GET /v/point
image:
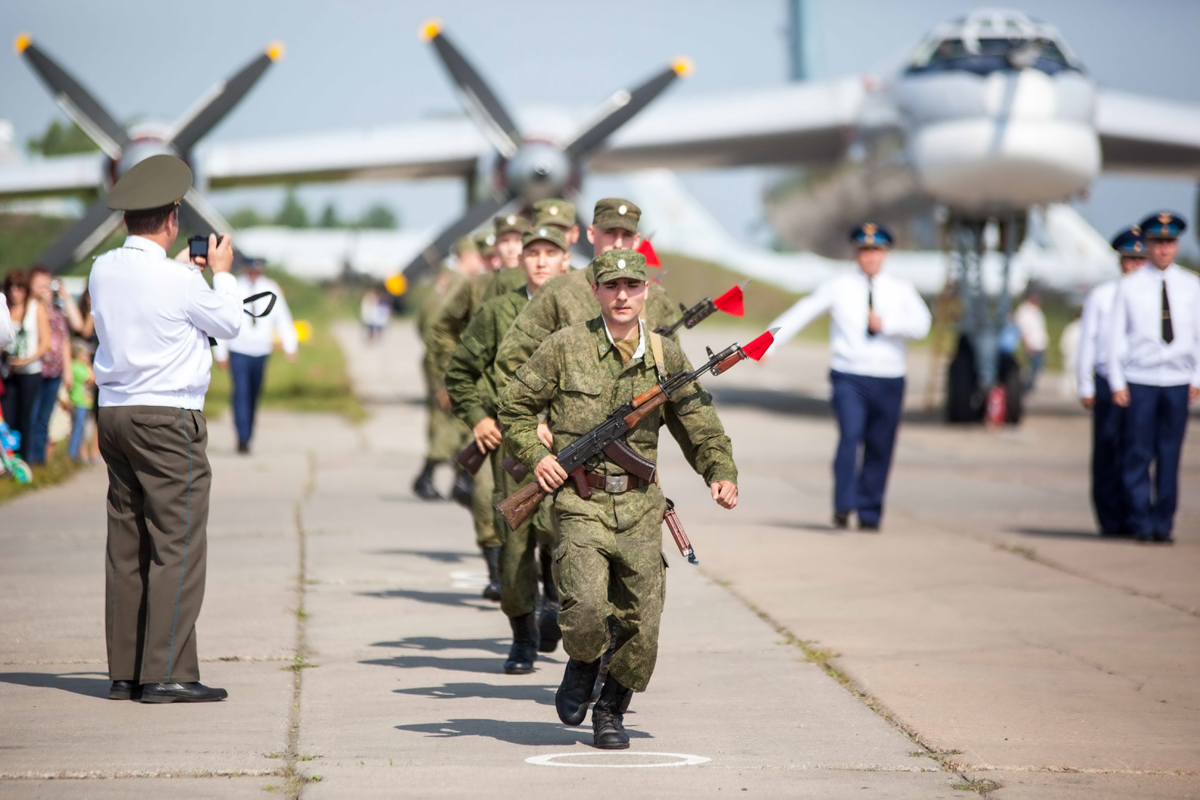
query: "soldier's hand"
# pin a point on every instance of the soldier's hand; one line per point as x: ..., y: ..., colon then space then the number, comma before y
x: 1193, y: 394
x: 874, y: 322
x: 1121, y: 398
x: 550, y: 474
x: 442, y: 398
x: 1088, y: 402
x: 220, y: 252
x: 545, y: 436
x: 725, y: 493
x: 487, y: 435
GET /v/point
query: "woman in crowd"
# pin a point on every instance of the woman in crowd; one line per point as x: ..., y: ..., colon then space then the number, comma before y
x: 60, y: 309
x: 23, y: 357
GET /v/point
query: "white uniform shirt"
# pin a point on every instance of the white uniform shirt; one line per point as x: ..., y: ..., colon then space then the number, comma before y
x: 1137, y: 352
x: 1094, y: 337
x: 1031, y: 322
x: 257, y: 337
x: 844, y: 298
x: 7, y: 334
x: 153, y: 318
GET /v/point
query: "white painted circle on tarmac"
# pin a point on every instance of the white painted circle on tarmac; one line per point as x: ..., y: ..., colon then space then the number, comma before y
x: 618, y: 760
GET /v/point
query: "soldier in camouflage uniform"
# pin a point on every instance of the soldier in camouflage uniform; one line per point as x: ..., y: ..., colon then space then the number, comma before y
x: 609, y: 555
x: 444, y: 433
x: 509, y: 230
x: 462, y: 301
x: 471, y: 382
x: 559, y: 213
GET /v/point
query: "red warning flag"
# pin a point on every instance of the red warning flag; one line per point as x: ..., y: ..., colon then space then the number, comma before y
x: 732, y: 301
x: 647, y: 249
x: 758, y: 348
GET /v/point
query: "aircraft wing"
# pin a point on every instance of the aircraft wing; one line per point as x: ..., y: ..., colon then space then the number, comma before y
x: 1148, y: 134
x: 447, y: 148
x: 804, y: 123
x: 51, y: 176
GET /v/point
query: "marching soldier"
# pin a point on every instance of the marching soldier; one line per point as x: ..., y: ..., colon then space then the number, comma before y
x: 154, y: 317
x: 559, y: 213
x: 509, y: 230
x: 1154, y: 372
x: 609, y: 557
x: 471, y: 383
x: 1108, y: 419
x: 872, y: 314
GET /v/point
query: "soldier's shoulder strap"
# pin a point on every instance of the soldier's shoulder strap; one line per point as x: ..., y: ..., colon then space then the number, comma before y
x: 656, y: 349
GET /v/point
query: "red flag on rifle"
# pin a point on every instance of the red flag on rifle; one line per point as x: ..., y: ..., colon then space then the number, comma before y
x: 647, y: 249
x: 732, y: 301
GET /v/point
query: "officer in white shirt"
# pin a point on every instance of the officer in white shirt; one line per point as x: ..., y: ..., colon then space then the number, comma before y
x: 246, y: 356
x: 154, y: 317
x: 1108, y: 419
x: 1154, y: 372
x: 872, y: 314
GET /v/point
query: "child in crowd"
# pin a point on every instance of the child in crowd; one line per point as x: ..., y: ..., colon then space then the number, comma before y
x: 82, y: 382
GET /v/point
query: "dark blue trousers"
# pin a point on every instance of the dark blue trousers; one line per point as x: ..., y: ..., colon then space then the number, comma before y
x: 868, y: 413
x: 247, y: 373
x: 1108, y: 443
x: 1155, y: 424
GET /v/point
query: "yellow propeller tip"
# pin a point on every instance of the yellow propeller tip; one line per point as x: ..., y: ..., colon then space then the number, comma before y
x: 683, y: 66
x: 275, y: 51
x: 23, y: 42
x: 430, y: 30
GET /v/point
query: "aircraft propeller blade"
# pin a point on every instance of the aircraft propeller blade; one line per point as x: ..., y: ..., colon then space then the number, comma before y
x: 431, y: 257
x: 79, y: 104
x: 84, y: 235
x: 624, y: 105
x: 217, y: 102
x: 480, y: 101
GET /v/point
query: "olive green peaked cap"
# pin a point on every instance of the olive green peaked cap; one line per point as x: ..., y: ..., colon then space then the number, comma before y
x: 465, y: 245
x: 485, y: 243
x: 619, y: 264
x: 553, y: 211
x: 545, y: 233
x: 510, y: 222
x: 156, y: 182
x: 614, y: 212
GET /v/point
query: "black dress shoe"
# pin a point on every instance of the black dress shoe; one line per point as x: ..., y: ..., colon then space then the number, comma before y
x: 243, y: 448
x: 575, y: 694
x: 194, y: 692
x: 868, y: 527
x: 841, y: 521
x: 123, y: 690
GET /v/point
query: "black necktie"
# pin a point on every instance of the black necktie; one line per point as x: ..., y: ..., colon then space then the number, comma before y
x: 1168, y: 330
x: 870, y: 306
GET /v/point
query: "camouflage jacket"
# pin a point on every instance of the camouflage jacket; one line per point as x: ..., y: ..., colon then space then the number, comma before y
x: 562, y: 301
x: 577, y: 374
x: 462, y: 302
x: 503, y: 282
x: 470, y: 378
x: 431, y: 306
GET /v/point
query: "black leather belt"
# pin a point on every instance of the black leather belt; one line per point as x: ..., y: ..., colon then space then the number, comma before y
x: 614, y: 484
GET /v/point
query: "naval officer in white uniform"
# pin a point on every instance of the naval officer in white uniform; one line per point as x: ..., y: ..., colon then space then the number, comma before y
x: 873, y: 314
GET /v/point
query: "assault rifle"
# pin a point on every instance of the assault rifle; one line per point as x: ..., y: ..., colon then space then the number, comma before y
x: 730, y: 302
x: 606, y: 439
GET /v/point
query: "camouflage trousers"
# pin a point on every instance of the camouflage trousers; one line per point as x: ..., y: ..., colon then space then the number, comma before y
x: 610, y: 561
x: 446, y: 434
x: 487, y: 533
x: 519, y: 568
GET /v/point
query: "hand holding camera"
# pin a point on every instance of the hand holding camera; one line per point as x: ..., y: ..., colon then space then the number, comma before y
x: 215, y: 252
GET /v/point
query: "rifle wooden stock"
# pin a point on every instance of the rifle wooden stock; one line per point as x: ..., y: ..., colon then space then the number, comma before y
x: 470, y: 458
x: 519, y: 507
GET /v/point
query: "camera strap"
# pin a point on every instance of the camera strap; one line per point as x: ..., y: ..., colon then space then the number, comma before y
x: 253, y: 299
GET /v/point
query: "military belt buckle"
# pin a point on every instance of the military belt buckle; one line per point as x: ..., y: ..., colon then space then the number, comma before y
x: 616, y: 484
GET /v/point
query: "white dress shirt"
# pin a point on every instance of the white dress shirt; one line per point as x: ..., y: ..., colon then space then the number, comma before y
x: 153, y: 318
x: 6, y: 327
x: 902, y: 311
x: 1031, y: 322
x: 1137, y: 352
x: 1094, y: 337
x: 257, y: 337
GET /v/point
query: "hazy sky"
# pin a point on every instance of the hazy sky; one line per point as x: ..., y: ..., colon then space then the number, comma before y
x: 359, y: 62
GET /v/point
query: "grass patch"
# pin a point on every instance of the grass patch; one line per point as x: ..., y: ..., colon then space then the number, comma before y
x: 982, y: 787
x: 56, y: 470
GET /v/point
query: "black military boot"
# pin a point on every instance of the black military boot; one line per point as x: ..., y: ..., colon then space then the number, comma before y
x: 614, y: 630
x: 608, y: 728
x: 461, y: 491
x: 492, y: 556
x: 575, y: 694
x: 548, y: 630
x: 423, y: 486
x: 524, y: 646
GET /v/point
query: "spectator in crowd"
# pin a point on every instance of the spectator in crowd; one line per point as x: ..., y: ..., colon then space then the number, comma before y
x: 83, y: 386
x: 23, y: 367
x: 1068, y: 349
x: 368, y: 311
x: 62, y: 315
x: 88, y: 334
x: 6, y: 325
x: 1031, y: 322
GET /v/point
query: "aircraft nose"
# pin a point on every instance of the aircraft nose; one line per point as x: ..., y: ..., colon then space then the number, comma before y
x: 1026, y: 94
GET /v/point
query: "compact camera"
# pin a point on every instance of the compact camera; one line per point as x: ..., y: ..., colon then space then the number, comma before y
x: 198, y: 246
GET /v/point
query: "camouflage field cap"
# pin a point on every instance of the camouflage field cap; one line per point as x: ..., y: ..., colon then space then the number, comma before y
x: 619, y: 264
x: 553, y: 211
x: 485, y: 243
x: 613, y: 212
x: 545, y: 233
x: 465, y: 245
x: 510, y: 222
x: 156, y: 182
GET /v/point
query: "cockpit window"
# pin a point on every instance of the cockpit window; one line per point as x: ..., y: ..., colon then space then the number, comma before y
x: 992, y: 55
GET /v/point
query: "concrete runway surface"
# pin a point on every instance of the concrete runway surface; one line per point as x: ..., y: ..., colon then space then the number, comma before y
x: 987, y: 638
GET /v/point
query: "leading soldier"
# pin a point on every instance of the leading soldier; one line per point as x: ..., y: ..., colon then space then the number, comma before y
x: 609, y: 557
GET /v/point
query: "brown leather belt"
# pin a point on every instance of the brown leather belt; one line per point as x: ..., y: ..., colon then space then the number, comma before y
x: 614, y: 484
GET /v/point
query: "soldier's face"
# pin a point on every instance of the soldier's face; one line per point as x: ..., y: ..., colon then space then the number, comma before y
x: 1162, y: 251
x: 605, y: 239
x: 542, y: 261
x: 621, y: 300
x: 470, y: 262
x: 508, y: 247
x: 870, y: 260
x: 1131, y: 264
